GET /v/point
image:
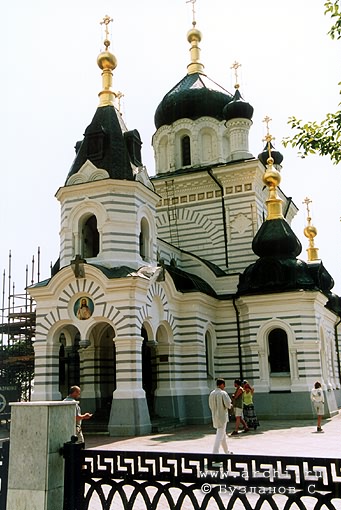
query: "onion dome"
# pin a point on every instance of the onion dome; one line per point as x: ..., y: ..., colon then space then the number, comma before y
x: 276, y: 155
x: 238, y: 108
x: 193, y: 97
x: 275, y: 238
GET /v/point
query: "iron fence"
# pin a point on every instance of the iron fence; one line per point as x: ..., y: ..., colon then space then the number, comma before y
x: 104, y: 480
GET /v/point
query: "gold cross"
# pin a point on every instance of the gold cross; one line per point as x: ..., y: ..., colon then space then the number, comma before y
x: 307, y: 201
x: 106, y: 20
x: 268, y: 137
x: 193, y: 8
x: 119, y: 95
x: 236, y: 66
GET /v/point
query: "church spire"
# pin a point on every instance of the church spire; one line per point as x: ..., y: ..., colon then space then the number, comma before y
x: 310, y: 232
x: 194, y: 38
x: 107, y: 62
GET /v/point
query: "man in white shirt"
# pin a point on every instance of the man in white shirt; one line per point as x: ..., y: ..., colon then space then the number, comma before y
x: 219, y: 403
x: 317, y: 399
x: 73, y: 396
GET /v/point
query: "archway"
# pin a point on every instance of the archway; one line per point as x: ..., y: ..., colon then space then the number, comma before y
x: 149, y: 382
x: 103, y: 370
x: 69, y: 361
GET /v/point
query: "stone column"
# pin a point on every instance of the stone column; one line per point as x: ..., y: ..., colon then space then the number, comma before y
x: 46, y: 371
x: 36, y: 468
x: 238, y: 131
x: 129, y: 414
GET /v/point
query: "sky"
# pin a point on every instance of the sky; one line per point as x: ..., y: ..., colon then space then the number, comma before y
x: 49, y: 93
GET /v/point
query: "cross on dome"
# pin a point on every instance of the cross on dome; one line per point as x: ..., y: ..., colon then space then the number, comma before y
x: 235, y: 66
x: 106, y: 20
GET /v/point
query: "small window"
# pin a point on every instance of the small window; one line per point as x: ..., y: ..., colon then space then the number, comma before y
x: 278, y: 351
x: 186, y: 151
x: 144, y: 240
x: 209, y: 356
x: 90, y: 238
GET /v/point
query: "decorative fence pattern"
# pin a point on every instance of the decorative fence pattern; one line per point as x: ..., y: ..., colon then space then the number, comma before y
x: 4, y: 461
x: 106, y: 480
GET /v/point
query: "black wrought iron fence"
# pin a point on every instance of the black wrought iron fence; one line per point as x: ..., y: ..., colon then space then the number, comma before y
x: 106, y: 480
x: 4, y: 460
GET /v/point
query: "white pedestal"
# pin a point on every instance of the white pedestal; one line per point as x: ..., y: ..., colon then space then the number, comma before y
x: 36, y: 468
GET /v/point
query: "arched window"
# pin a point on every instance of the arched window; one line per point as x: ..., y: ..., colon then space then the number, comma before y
x: 185, y: 150
x: 90, y: 238
x: 278, y: 351
x: 144, y: 240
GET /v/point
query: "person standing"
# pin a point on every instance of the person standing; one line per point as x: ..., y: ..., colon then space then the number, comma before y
x: 73, y: 396
x: 249, y: 412
x: 219, y: 403
x: 317, y: 399
x: 237, y: 401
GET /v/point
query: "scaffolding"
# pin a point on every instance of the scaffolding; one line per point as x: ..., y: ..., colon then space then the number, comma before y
x: 17, y: 333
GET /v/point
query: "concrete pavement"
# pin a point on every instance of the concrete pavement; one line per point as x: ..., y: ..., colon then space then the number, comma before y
x: 289, y: 438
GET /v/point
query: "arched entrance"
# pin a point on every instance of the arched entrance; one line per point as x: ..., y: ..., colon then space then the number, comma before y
x: 149, y: 382
x: 103, y: 370
x: 69, y: 361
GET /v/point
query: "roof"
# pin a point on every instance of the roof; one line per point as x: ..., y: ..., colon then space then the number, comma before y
x: 104, y: 145
x: 193, y: 97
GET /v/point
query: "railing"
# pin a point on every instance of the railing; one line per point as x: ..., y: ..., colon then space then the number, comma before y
x: 103, y: 480
x: 4, y: 460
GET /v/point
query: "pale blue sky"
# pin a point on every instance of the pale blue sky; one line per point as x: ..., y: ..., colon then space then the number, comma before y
x: 50, y: 81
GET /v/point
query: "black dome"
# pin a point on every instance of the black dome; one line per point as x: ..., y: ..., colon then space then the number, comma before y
x: 193, y: 97
x: 276, y: 155
x: 238, y: 108
x: 275, y: 238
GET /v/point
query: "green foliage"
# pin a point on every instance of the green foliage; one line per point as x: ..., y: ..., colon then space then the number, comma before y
x: 322, y: 138
x: 333, y: 8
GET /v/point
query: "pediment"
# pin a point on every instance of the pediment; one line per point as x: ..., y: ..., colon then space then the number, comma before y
x: 87, y: 173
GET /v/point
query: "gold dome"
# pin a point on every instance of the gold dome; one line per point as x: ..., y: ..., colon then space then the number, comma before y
x: 310, y: 231
x: 106, y: 60
x: 271, y: 177
x: 194, y: 35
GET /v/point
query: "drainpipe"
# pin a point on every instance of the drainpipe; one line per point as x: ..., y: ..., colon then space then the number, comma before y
x: 223, y: 213
x: 239, y: 340
x: 337, y: 349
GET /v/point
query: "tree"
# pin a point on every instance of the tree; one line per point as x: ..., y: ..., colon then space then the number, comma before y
x: 322, y: 138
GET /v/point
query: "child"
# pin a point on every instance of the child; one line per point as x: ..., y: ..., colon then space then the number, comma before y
x: 248, y: 407
x: 318, y: 401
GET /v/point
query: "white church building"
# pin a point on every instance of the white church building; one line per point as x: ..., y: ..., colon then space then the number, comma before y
x: 164, y: 283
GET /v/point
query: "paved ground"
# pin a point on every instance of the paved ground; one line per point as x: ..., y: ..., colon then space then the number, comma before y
x: 289, y: 438
x: 272, y: 438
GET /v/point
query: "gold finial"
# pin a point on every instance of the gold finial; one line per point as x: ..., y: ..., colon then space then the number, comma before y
x: 106, y: 20
x: 193, y: 10
x: 194, y: 38
x: 310, y: 232
x: 107, y: 62
x: 236, y: 66
x: 272, y: 179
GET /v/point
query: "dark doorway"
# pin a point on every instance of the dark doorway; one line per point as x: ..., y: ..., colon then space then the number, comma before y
x: 148, y: 372
x: 278, y: 352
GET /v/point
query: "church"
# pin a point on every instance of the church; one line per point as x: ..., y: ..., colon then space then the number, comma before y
x: 165, y: 283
